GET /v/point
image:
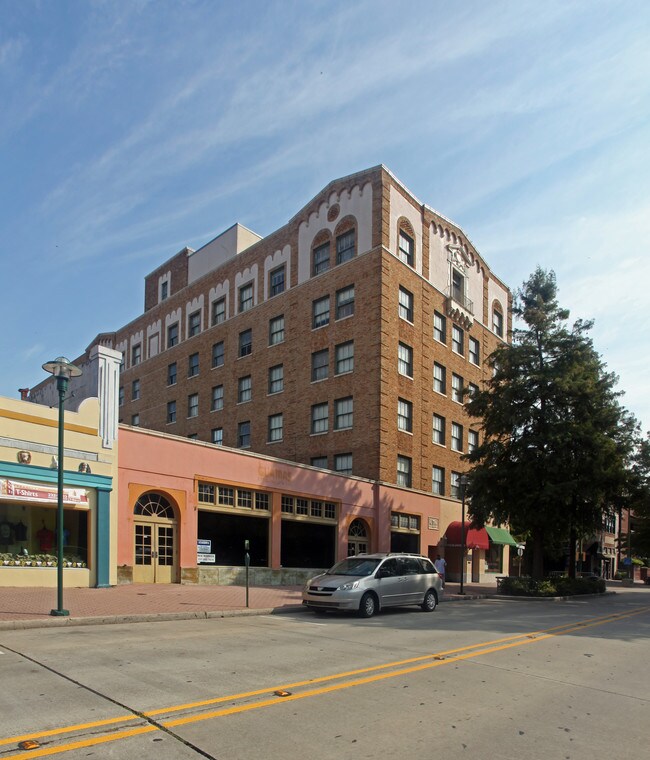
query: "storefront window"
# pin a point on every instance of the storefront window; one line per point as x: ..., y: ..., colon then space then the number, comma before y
x: 494, y: 558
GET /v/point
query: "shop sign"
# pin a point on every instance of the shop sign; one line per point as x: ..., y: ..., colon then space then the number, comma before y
x: 11, y: 489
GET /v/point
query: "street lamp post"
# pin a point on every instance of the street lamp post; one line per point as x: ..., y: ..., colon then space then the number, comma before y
x: 63, y: 370
x: 463, y: 486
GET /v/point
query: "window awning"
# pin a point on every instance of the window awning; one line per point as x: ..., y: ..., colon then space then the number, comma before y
x: 500, y: 536
x: 475, y: 538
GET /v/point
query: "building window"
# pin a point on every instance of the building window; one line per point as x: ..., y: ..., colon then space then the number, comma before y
x: 171, y: 374
x: 172, y: 335
x: 246, y: 297
x: 472, y: 440
x: 171, y: 411
x: 405, y: 304
x: 135, y: 420
x: 458, y: 340
x: 319, y: 418
x: 276, y: 378
x: 193, y: 365
x: 217, y: 398
x: 406, y: 248
x: 404, y: 415
x: 404, y: 466
x: 345, y: 247
x: 439, y: 378
x: 457, y: 388
x: 136, y: 354
x: 472, y: 390
x: 319, y: 462
x: 244, y: 389
x: 135, y: 390
x: 438, y: 429
x: 405, y: 360
x: 321, y: 258
x: 275, y: 428
x: 193, y: 405
x: 164, y: 290
x: 343, y: 413
x: 345, y: 302
x: 440, y: 327
x: 438, y: 480
x: 276, y: 281
x: 343, y: 463
x: 194, y: 324
x: 458, y: 287
x: 244, y: 435
x: 455, y: 485
x: 216, y: 436
x: 497, y: 322
x: 245, y: 342
x: 344, y: 357
x: 321, y: 312
x: 218, y: 311
x: 120, y: 396
x: 319, y: 365
x: 456, y: 436
x: 474, y: 351
x: 218, y: 354
x: 276, y: 330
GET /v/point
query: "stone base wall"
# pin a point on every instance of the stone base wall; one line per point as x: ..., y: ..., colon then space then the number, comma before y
x: 257, y: 576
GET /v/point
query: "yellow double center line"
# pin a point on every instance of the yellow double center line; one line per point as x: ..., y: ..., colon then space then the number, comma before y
x: 358, y: 677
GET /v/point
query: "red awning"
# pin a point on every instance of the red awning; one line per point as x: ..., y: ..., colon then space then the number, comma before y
x: 475, y: 538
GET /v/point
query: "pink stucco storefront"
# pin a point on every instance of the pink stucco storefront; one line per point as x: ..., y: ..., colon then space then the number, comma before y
x: 186, y: 508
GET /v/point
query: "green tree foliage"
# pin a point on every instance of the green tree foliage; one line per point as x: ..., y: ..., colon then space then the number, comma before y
x: 554, y: 450
x: 639, y: 502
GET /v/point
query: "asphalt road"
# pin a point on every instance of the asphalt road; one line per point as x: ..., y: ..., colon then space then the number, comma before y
x: 482, y: 679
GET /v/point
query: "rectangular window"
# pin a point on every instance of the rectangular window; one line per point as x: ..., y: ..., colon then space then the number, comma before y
x: 343, y: 463
x: 218, y: 311
x: 276, y: 330
x: 136, y: 354
x: 319, y: 462
x: 343, y: 413
x: 193, y: 365
x: 244, y: 499
x: 245, y: 342
x: 472, y: 440
x: 217, y: 398
x: 135, y: 390
x: 193, y: 405
x: 164, y: 290
x: 244, y: 435
x: 120, y: 398
x: 246, y: 297
x: 319, y: 418
x: 474, y: 351
x: 404, y: 415
x: 321, y: 258
x: 456, y: 436
x: 405, y: 360
x: 458, y: 340
x: 457, y: 383
x: 472, y: 390
x: 275, y: 428
x: 171, y: 373
x: 320, y: 365
x: 439, y: 378
x: 345, y: 247
x: 276, y: 281
x: 404, y: 466
x: 172, y: 335
x: 226, y: 496
x: 135, y: 420
x: 344, y: 357
x: 455, y: 485
x: 244, y: 389
x: 171, y: 411
x: 438, y: 480
x: 345, y: 302
x: 440, y: 327
x: 218, y: 354
x: 458, y: 287
x: 405, y: 304
x: 216, y: 436
x: 406, y: 248
x: 276, y: 379
x: 497, y: 323
x: 206, y: 493
x: 438, y: 429
x: 194, y: 324
x: 321, y: 312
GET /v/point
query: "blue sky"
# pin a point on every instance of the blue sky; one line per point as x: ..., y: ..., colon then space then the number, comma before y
x: 131, y: 129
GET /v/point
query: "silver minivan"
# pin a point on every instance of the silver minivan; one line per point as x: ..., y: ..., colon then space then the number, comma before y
x: 367, y: 582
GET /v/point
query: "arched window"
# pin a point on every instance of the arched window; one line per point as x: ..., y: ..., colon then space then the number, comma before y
x: 358, y: 538
x: 153, y: 505
x: 497, y: 320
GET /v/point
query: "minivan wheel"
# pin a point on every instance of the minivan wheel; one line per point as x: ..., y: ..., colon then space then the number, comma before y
x: 368, y: 605
x: 430, y: 601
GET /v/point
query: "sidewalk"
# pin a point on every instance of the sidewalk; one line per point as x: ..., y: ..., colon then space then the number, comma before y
x: 30, y: 607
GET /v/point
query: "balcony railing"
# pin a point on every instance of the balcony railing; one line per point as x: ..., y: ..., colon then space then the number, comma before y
x: 457, y: 297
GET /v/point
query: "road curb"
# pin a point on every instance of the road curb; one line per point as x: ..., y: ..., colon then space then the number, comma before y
x: 522, y: 598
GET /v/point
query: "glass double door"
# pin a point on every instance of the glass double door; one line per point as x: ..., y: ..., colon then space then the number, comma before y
x: 155, y: 552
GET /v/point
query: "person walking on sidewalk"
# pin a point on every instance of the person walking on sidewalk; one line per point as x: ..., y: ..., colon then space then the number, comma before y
x: 441, y: 566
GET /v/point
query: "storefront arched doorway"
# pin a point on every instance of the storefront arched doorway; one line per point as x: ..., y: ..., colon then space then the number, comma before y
x: 358, y: 538
x: 155, y: 540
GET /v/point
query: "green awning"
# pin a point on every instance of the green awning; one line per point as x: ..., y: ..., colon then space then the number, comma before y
x: 500, y: 536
